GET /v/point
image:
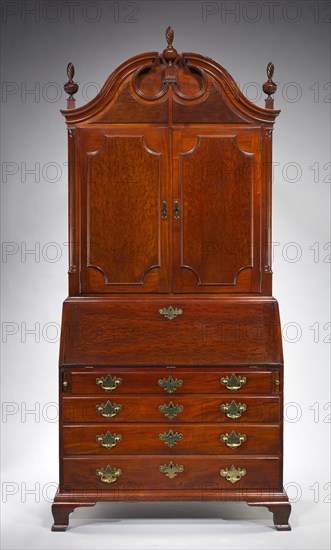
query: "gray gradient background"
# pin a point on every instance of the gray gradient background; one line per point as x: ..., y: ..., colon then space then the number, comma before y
x: 33, y: 131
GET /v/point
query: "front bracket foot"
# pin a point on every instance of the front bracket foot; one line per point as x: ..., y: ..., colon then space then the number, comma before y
x: 281, y: 512
x: 61, y: 512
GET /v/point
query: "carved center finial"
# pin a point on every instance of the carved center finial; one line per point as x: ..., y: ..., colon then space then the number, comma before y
x: 270, y: 87
x: 169, y: 53
x: 70, y: 87
x: 169, y: 34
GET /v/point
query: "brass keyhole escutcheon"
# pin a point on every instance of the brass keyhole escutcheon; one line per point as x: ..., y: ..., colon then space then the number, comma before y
x: 170, y: 384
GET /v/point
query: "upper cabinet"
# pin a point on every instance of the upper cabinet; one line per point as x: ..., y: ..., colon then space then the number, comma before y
x: 170, y: 181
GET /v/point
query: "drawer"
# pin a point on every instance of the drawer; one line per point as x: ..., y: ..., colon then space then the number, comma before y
x: 181, y: 408
x: 115, y: 381
x: 168, y: 472
x: 175, y: 439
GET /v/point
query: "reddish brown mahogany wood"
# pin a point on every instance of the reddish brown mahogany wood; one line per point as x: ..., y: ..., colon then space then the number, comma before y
x: 170, y: 328
x: 199, y: 472
x: 196, y: 439
x: 210, y: 331
x: 192, y: 380
x: 257, y: 409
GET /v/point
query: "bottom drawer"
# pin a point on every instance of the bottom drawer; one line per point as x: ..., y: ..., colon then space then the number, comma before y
x: 170, y: 472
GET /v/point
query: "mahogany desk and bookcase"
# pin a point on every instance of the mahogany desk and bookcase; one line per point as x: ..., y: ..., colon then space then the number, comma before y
x: 171, y: 365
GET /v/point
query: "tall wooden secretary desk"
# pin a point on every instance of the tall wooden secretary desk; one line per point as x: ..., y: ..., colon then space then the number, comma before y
x: 171, y: 365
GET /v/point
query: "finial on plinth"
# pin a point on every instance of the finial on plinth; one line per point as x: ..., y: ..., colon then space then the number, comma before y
x: 169, y: 53
x: 70, y: 87
x: 269, y: 87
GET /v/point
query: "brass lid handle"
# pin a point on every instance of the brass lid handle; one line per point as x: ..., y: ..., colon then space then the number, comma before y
x: 108, y: 474
x: 233, y: 474
x: 108, y: 440
x: 108, y: 410
x: 109, y: 383
x: 233, y: 382
x: 233, y: 440
x: 233, y: 410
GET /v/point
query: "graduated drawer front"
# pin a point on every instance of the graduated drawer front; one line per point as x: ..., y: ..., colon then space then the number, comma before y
x: 206, y: 408
x: 143, y: 472
x: 177, y: 439
x: 146, y: 380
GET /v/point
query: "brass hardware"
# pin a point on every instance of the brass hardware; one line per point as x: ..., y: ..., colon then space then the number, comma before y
x: 233, y: 474
x: 277, y: 382
x: 170, y: 384
x: 164, y: 210
x: 109, y: 474
x: 233, y: 410
x: 171, y: 410
x: 171, y: 469
x: 176, y: 210
x: 108, y: 383
x: 233, y: 382
x: 108, y: 410
x: 170, y: 312
x: 233, y: 440
x: 65, y: 383
x: 108, y: 440
x: 171, y: 438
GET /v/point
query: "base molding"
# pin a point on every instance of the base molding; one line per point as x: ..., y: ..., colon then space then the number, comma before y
x: 66, y: 502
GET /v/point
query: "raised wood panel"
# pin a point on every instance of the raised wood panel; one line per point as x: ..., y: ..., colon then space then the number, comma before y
x: 217, y: 185
x: 124, y: 239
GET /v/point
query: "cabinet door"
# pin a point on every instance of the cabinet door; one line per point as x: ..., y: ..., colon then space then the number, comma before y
x: 122, y: 182
x: 217, y: 208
